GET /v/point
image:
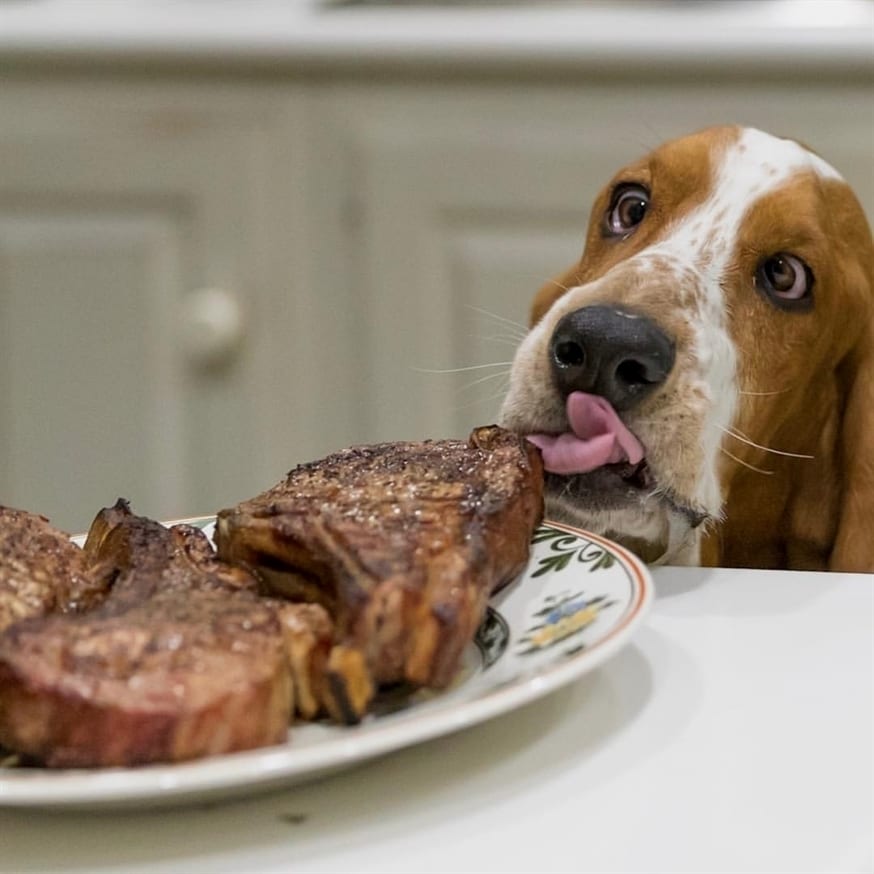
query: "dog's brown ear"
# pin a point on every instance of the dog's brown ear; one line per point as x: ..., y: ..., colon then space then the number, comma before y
x: 853, y: 548
x: 551, y: 292
x: 854, y: 543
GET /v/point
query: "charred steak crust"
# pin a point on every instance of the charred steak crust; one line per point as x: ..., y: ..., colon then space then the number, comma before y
x: 41, y: 570
x: 402, y: 542
x: 182, y: 658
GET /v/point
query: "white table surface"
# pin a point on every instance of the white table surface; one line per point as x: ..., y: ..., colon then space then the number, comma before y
x: 733, y: 734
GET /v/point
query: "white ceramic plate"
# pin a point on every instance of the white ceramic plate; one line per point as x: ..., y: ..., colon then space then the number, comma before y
x: 578, y: 601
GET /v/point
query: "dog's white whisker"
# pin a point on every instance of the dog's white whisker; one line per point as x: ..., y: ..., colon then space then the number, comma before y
x: 463, y: 369
x: 483, y: 379
x: 498, y: 318
x: 510, y: 339
x: 738, y: 435
x: 740, y: 461
x: 475, y: 402
x: 513, y: 343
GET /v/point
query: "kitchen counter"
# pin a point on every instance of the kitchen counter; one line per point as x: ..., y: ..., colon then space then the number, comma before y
x: 756, y: 36
x: 733, y: 734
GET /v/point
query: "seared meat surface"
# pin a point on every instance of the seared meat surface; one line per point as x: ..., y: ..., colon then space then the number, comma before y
x: 181, y: 659
x: 403, y: 543
x: 41, y: 571
x: 147, y: 646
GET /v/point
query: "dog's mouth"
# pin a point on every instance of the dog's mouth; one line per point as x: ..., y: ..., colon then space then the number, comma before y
x: 635, y: 476
x: 598, y: 464
x: 595, y: 438
x: 610, y: 487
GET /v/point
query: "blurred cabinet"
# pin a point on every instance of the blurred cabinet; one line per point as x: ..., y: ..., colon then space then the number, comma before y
x: 202, y: 284
x: 118, y: 375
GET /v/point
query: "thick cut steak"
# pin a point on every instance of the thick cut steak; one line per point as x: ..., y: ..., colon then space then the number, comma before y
x: 41, y: 570
x: 403, y: 543
x: 181, y: 659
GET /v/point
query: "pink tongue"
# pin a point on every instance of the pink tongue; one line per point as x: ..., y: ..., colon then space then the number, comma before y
x: 597, y: 437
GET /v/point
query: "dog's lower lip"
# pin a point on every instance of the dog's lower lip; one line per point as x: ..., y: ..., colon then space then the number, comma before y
x: 639, y: 484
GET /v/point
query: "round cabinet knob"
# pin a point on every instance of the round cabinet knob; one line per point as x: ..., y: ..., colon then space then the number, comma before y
x: 213, y: 326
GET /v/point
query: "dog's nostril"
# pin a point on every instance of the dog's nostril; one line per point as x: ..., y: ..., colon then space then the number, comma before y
x: 633, y: 372
x: 569, y: 353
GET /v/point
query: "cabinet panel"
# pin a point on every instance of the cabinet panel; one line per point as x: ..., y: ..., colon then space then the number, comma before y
x: 117, y: 205
x: 92, y: 406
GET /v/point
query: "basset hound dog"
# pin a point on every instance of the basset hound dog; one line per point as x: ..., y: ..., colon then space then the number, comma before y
x: 701, y: 383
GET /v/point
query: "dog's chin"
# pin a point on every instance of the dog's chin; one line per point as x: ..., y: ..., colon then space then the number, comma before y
x: 625, y: 504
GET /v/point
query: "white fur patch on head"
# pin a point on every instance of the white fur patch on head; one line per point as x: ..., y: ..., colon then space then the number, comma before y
x: 701, y: 247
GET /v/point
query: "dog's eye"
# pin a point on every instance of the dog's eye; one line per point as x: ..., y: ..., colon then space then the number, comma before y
x: 786, y: 280
x: 627, y: 209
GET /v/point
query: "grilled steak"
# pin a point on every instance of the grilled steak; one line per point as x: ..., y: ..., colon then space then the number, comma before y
x: 181, y: 659
x: 403, y: 543
x: 41, y: 571
x: 144, y: 646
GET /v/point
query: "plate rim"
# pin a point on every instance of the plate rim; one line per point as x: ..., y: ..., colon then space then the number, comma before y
x: 164, y: 784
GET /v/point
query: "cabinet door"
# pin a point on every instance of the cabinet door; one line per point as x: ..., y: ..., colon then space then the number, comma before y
x: 463, y: 201
x: 117, y: 207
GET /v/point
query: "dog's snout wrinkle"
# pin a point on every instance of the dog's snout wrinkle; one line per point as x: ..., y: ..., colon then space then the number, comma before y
x: 615, y: 353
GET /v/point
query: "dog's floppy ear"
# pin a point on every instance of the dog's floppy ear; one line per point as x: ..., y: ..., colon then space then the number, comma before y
x: 551, y: 292
x: 854, y: 543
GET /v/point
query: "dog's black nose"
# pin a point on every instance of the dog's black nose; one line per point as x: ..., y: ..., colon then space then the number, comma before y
x: 619, y: 355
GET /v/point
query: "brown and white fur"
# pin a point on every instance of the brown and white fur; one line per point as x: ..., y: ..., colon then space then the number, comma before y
x: 760, y: 442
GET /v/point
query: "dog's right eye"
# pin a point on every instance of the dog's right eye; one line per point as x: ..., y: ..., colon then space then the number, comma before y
x: 628, y: 206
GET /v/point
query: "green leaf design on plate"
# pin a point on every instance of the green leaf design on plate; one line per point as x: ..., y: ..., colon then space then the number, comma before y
x: 565, y: 547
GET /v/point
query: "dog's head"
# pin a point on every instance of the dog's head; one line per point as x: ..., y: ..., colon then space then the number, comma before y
x: 716, y: 333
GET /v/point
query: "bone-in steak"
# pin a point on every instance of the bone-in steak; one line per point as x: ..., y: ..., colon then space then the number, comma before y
x: 403, y: 543
x: 181, y: 659
x: 144, y: 646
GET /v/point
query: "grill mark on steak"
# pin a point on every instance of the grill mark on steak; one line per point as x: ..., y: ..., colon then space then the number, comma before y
x: 404, y: 542
x: 181, y: 659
